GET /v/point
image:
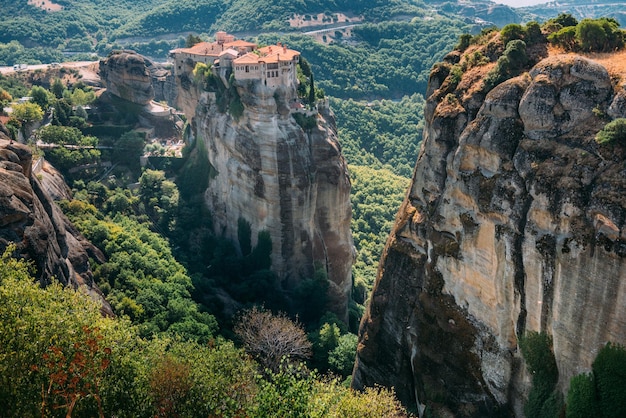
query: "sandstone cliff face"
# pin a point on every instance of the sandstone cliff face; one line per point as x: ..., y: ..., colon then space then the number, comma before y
x: 30, y: 219
x: 281, y: 179
x: 515, y: 221
x: 127, y: 76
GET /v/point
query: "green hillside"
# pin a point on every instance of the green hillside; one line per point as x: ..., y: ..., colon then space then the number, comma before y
x: 34, y: 34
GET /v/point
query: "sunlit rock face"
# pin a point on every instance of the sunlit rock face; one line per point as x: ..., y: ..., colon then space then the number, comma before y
x: 30, y: 219
x: 280, y: 178
x: 515, y: 221
x: 126, y: 75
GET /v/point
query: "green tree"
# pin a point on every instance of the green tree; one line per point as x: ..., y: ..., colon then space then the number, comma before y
x: 129, y: 148
x: 244, y: 236
x: 261, y: 256
x: 464, y: 42
x: 566, y: 38
x: 511, y: 32
x: 544, y: 400
x: 62, y: 112
x: 63, y: 135
x: 25, y: 114
x: 311, y: 91
x: 120, y: 202
x: 329, y: 336
x: 69, y: 357
x: 79, y: 97
x: 311, y: 296
x: 5, y: 99
x: 41, y: 97
x: 192, y: 40
x: 582, y: 399
x: 533, y: 33
x: 565, y: 20
x: 305, y: 67
x: 509, y: 64
x: 341, y: 358
x: 609, y: 371
x: 159, y: 197
x: 57, y: 88
x: 323, y: 341
x: 591, y: 35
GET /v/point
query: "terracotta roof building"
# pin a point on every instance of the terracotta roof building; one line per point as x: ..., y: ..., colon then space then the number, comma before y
x: 273, y: 65
x: 208, y: 52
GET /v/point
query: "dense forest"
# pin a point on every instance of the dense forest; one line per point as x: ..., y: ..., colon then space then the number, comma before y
x: 86, y: 365
x: 76, y: 29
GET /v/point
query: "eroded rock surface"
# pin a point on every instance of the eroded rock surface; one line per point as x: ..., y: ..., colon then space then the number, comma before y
x: 126, y: 75
x: 290, y: 182
x: 515, y: 221
x: 30, y: 219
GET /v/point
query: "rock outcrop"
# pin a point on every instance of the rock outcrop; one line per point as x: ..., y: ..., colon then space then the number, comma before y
x: 127, y: 76
x: 30, y: 219
x: 283, y: 179
x: 515, y: 221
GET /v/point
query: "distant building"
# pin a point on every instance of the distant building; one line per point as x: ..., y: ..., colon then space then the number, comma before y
x: 272, y: 65
x: 209, y: 52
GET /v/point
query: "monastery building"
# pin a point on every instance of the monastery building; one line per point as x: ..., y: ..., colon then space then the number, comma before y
x: 273, y: 65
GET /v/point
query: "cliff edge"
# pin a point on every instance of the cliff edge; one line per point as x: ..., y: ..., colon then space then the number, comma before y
x: 515, y: 221
x: 30, y: 219
x: 282, y: 177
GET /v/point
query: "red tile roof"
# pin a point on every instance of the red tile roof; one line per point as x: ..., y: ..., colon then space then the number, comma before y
x: 249, y: 58
x: 281, y: 51
x: 240, y: 43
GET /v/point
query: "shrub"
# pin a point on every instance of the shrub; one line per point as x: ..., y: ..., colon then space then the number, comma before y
x: 511, y: 32
x: 565, y: 19
x: 509, y: 64
x: 565, y: 38
x: 582, y: 400
x: 456, y: 74
x: 271, y: 338
x: 341, y: 358
x: 200, y: 71
x: 476, y: 59
x: 464, y: 42
x: 609, y: 369
x: 613, y: 132
x: 235, y: 107
x: 599, y: 35
x: 306, y: 122
x: 591, y: 35
x: 533, y: 33
x: 543, y: 399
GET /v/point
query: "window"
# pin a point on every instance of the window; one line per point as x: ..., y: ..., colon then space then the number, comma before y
x: 247, y: 69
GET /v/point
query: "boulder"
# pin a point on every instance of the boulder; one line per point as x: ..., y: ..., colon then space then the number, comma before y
x: 126, y: 75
